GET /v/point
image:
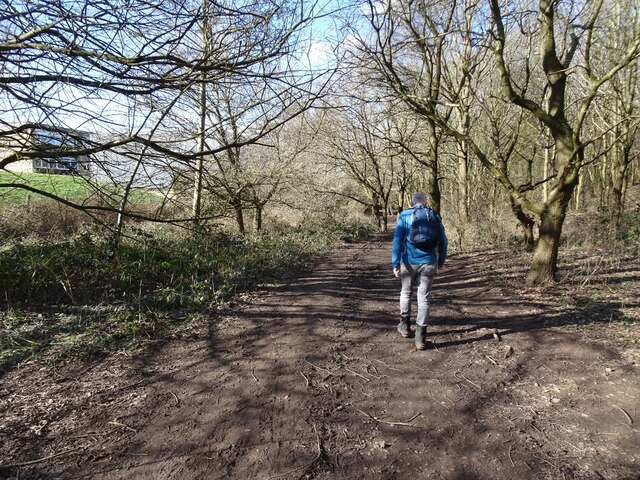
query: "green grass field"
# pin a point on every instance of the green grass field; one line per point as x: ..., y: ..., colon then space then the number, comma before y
x: 66, y: 186
x: 62, y: 185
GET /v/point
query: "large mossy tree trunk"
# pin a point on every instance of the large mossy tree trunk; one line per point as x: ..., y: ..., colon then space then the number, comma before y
x: 568, y: 146
x: 544, y: 265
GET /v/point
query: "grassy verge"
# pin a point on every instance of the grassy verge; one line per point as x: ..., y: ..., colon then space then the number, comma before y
x: 81, y: 295
x: 65, y: 186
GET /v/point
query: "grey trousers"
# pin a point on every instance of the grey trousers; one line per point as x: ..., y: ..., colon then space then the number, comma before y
x: 422, y: 277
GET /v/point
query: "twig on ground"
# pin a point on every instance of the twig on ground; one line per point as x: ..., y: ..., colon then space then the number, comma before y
x: 452, y: 402
x: 319, y: 443
x: 357, y: 374
x: 42, y: 459
x: 365, y: 368
x: 320, y: 368
x: 438, y: 401
x: 87, y: 435
x: 305, y: 378
x: 588, y: 279
x: 538, y: 430
x: 474, y: 384
x: 572, y: 446
x: 388, y: 366
x: 545, y: 461
x: 491, y: 360
x: 118, y: 424
x: 511, y: 459
x: 373, y: 417
x: 562, y: 427
x: 629, y: 419
x: 176, y: 398
x: 253, y: 374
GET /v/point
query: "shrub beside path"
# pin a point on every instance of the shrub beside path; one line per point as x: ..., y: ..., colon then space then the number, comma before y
x: 310, y: 380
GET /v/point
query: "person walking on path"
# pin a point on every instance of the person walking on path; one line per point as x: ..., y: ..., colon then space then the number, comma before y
x: 419, y: 251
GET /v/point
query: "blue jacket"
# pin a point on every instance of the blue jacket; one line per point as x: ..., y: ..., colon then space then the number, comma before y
x: 405, y: 252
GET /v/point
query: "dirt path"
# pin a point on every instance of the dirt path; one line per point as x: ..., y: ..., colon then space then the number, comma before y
x: 311, y: 381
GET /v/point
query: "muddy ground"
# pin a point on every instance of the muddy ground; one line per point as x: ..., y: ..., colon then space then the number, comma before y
x: 310, y: 380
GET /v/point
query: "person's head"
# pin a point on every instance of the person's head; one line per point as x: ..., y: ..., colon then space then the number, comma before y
x: 418, y: 199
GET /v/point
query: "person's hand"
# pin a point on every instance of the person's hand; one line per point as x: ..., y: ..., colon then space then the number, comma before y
x: 396, y: 272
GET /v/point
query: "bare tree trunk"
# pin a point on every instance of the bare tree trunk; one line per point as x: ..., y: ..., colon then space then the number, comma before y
x: 622, y: 157
x: 463, y: 195
x: 257, y: 218
x: 125, y: 199
x: 433, y: 181
x: 620, y: 186
x: 236, y: 203
x: 526, y: 222
x: 604, y: 172
x: 578, y: 196
x: 197, y: 187
x: 494, y: 200
x: 199, y: 171
x: 401, y: 198
x: 380, y: 217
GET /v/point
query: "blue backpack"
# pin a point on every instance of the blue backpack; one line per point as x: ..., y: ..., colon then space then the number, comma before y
x: 425, y: 231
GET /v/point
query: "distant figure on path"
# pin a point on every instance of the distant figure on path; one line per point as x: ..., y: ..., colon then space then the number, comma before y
x: 419, y: 251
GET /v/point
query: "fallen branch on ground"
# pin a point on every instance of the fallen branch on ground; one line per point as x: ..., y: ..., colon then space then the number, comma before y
x: 118, y: 424
x: 474, y: 384
x: 357, y: 374
x: 320, y: 368
x: 42, y: 459
x: 387, y: 365
x: 629, y: 419
x: 491, y: 360
x: 373, y: 417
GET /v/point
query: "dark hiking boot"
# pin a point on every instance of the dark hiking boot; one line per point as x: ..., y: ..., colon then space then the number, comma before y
x: 403, y: 328
x: 421, y: 338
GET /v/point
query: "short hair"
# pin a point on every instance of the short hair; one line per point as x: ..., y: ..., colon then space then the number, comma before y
x: 417, y: 198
